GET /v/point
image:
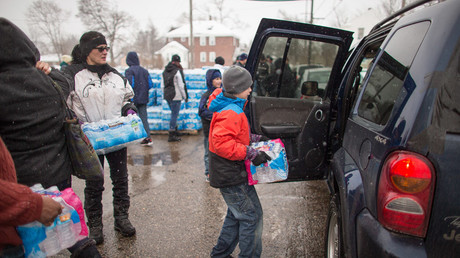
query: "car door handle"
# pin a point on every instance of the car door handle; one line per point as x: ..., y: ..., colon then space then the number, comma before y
x: 282, y: 131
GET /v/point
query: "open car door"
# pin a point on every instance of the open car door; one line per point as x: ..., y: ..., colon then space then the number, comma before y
x: 296, y: 69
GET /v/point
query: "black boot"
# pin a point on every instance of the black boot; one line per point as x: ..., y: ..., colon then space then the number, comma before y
x: 120, y: 213
x: 178, y: 133
x: 173, y: 137
x: 87, y: 250
x: 93, y: 209
x: 124, y: 226
x: 95, y: 230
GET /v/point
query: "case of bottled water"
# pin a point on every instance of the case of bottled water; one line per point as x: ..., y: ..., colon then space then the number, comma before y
x: 275, y: 169
x: 111, y: 135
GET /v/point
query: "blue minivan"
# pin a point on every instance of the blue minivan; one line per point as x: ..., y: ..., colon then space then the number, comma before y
x: 384, y: 131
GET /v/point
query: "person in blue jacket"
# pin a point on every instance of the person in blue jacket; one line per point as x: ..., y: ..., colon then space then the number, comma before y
x: 140, y: 81
x: 213, y: 81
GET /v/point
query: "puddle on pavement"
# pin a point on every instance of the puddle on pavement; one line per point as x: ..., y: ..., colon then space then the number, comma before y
x: 157, y: 159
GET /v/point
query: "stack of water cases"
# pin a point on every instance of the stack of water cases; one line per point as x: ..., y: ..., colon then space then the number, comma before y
x: 158, y: 110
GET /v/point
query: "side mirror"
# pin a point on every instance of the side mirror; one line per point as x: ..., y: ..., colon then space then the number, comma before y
x: 309, y: 88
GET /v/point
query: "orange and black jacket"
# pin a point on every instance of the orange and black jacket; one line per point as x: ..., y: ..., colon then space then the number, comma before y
x: 229, y: 137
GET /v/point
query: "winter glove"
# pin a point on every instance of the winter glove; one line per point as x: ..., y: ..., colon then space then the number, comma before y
x: 258, y: 138
x: 129, y: 107
x: 130, y: 112
x: 261, y: 157
x: 251, y: 153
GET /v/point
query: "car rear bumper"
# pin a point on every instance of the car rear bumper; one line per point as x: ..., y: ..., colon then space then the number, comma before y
x: 373, y: 240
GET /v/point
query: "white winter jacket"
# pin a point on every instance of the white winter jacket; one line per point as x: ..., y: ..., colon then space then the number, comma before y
x: 180, y: 87
x: 95, y: 99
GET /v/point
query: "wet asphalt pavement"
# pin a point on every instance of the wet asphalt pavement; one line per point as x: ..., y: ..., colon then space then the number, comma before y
x: 177, y: 214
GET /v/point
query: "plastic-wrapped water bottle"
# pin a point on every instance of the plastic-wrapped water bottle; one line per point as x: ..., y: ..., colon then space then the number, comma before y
x: 64, y: 227
x: 50, y: 245
x: 40, y: 241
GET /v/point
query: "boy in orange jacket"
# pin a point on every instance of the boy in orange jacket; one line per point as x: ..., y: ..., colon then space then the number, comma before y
x: 229, y: 146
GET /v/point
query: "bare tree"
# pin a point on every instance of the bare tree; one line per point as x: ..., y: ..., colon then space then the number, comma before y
x: 390, y: 6
x: 220, y: 8
x: 103, y: 16
x: 69, y: 43
x: 46, y: 17
x: 290, y: 17
x: 212, y: 10
x: 147, y: 43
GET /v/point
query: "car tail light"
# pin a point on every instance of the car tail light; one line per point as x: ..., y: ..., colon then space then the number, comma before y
x: 405, y: 193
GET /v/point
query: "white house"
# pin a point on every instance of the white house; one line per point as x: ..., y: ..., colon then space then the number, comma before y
x: 174, y: 48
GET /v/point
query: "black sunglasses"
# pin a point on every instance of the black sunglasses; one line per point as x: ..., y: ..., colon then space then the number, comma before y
x: 101, y: 49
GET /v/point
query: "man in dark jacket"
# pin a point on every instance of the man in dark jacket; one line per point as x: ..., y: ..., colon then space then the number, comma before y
x: 32, y: 116
x: 140, y: 81
x: 174, y: 92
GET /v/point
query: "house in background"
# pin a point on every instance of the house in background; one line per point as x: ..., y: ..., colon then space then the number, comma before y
x: 174, y: 48
x: 211, y: 39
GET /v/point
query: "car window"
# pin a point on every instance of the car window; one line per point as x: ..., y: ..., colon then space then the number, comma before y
x: 287, y: 63
x: 360, y: 71
x: 387, y: 78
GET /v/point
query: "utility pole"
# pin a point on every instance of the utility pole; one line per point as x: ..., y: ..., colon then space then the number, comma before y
x: 311, y: 12
x: 192, y: 59
x: 311, y: 22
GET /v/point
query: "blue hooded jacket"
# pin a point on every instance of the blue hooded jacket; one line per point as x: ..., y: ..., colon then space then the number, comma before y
x: 139, y: 78
x: 203, y: 111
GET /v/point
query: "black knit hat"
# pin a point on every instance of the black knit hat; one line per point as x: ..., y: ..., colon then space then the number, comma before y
x: 236, y: 80
x: 89, y: 40
x: 175, y: 58
x: 219, y: 60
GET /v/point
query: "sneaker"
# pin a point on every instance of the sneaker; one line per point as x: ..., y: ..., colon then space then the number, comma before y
x: 147, y: 141
x: 207, y: 179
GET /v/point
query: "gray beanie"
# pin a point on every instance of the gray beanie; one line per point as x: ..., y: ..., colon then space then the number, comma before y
x: 236, y: 80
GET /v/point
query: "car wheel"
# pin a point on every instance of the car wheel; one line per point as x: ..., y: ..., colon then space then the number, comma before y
x: 334, y: 242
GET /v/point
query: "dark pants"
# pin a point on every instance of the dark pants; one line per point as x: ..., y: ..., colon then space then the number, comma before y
x: 93, y: 192
x: 142, y: 109
x: 11, y: 251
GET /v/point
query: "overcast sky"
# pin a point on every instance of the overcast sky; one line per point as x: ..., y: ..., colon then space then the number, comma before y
x: 166, y: 13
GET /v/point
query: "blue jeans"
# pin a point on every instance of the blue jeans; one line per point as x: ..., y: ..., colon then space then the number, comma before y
x: 243, y: 223
x: 142, y: 109
x: 206, y: 155
x: 174, y: 105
